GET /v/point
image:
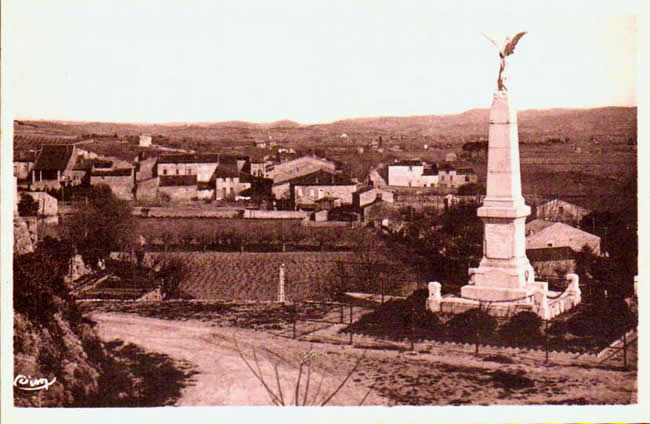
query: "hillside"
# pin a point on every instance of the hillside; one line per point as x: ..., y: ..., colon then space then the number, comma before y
x: 576, y: 124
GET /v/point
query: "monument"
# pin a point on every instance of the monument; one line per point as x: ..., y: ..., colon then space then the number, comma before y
x: 504, y: 278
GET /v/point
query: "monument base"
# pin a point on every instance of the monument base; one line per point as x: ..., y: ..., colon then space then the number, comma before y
x: 505, y: 302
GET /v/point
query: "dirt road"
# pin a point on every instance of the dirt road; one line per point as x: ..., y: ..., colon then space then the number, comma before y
x: 223, y: 378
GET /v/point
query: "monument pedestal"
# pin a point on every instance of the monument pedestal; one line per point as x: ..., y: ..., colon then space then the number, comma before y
x: 504, y: 278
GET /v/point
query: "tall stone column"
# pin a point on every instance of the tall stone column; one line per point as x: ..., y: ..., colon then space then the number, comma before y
x: 504, y: 272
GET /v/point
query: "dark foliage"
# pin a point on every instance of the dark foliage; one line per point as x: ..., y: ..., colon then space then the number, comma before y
x: 27, y: 206
x: 608, y: 319
x: 101, y: 224
x: 471, y: 324
x: 400, y: 320
x: 522, y: 329
x: 38, y: 280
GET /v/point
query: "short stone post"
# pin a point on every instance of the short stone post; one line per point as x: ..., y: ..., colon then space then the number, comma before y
x: 573, y: 288
x: 281, y: 285
x: 435, y: 297
x: 541, y: 304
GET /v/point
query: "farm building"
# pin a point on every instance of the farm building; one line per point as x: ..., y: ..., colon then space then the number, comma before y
x: 560, y: 211
x: 320, y: 184
x: 562, y: 235
x: 298, y: 167
x: 178, y: 188
x: 121, y: 181
x: 450, y: 157
x: 23, y: 163
x: 54, y: 166
x: 552, y: 262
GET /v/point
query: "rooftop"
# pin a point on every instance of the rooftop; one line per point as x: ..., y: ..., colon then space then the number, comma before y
x: 177, y: 180
x: 189, y: 158
x: 54, y: 157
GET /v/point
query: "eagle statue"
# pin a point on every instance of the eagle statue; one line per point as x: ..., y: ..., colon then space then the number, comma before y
x: 506, y: 48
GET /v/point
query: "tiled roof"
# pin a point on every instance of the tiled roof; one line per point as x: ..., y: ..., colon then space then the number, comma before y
x: 189, y: 158
x: 407, y: 163
x: 54, y: 157
x: 322, y: 177
x: 123, y: 172
x: 226, y: 170
x: 177, y: 180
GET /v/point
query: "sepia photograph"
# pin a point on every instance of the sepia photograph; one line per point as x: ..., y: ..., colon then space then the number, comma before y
x: 319, y: 204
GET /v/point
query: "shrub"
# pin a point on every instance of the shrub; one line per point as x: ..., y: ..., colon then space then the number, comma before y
x: 469, y: 324
x: 27, y: 206
x: 523, y: 328
x: 557, y: 328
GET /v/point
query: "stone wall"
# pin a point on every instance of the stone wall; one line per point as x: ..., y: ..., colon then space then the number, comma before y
x: 121, y: 186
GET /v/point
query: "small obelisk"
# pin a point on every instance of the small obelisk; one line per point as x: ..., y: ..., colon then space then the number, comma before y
x: 281, y: 285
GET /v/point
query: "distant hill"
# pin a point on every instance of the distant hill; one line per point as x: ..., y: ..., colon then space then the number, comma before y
x: 576, y: 124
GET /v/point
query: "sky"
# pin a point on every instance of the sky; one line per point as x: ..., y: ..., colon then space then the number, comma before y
x: 167, y: 61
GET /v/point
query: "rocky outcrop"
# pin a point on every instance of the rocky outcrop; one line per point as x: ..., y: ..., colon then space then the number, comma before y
x: 56, y: 351
x: 24, y: 236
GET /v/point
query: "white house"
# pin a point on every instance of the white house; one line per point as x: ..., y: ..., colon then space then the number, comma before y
x: 412, y: 173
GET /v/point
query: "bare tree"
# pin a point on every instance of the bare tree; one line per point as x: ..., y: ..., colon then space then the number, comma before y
x: 304, y: 393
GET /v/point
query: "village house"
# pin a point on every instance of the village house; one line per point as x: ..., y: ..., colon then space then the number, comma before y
x: 412, y: 173
x: 230, y: 181
x: 177, y: 188
x: 258, y: 167
x: 55, y: 166
x: 308, y: 189
x: 145, y: 140
x: 560, y: 211
x: 201, y: 165
x: 370, y: 194
x: 451, y: 177
x: 557, y: 234
x: 23, y: 163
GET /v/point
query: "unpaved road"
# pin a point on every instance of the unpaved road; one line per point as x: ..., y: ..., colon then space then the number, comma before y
x: 442, y: 376
x: 223, y: 378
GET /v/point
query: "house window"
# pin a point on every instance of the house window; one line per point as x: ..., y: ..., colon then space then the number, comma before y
x: 164, y: 172
x: 178, y: 172
x: 467, y: 178
x: 442, y: 178
x: 561, y: 209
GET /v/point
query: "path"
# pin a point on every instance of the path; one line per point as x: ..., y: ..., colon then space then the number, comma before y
x: 223, y: 378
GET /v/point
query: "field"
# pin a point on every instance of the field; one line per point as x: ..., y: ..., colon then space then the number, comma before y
x: 255, y: 276
x: 229, y: 234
